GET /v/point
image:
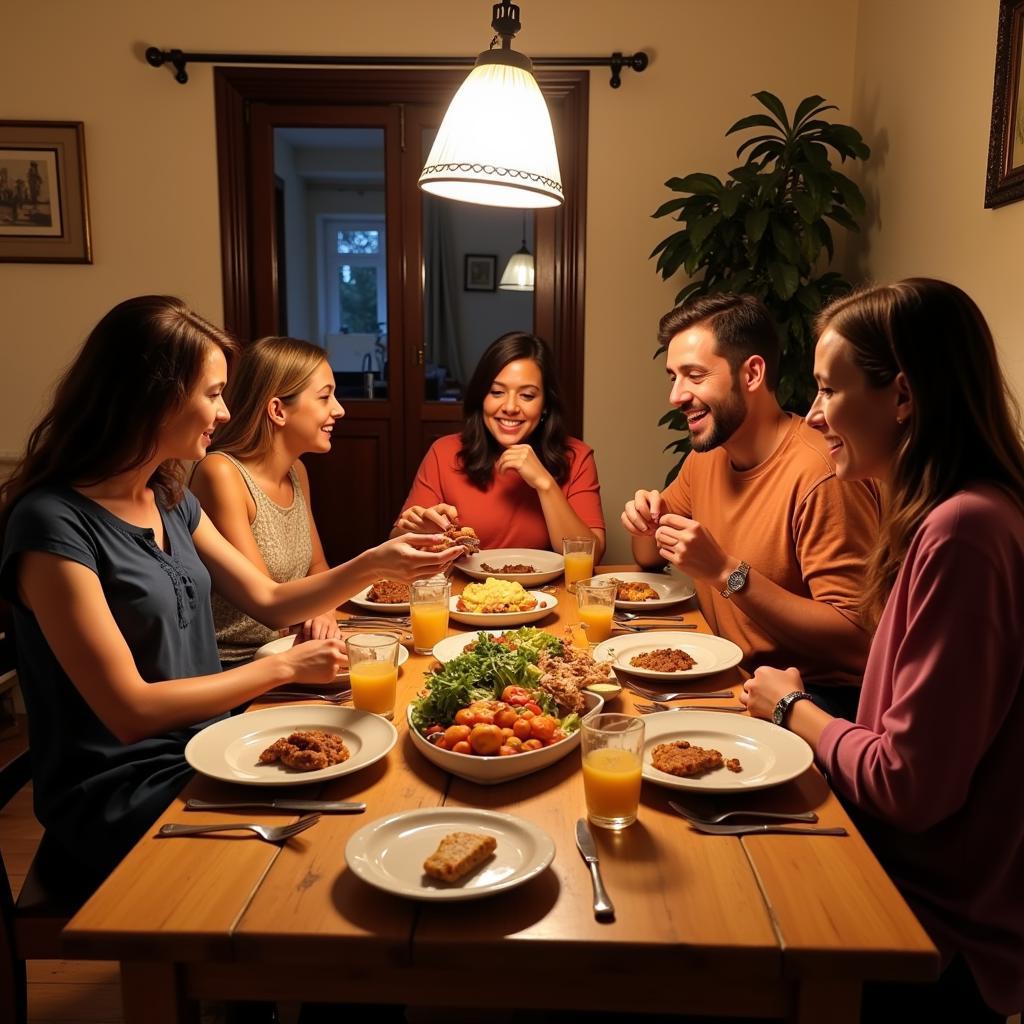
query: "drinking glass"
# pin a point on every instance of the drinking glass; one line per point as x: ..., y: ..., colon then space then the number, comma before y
x: 596, y: 600
x: 428, y: 609
x: 612, y: 748
x: 579, y: 560
x: 373, y: 672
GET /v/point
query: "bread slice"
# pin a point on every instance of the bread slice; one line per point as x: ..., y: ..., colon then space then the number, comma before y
x: 457, y: 855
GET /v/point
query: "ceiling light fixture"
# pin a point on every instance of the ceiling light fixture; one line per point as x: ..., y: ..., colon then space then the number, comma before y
x: 520, y: 271
x: 495, y: 145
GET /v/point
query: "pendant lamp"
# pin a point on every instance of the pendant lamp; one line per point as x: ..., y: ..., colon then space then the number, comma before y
x: 495, y: 145
x: 520, y: 270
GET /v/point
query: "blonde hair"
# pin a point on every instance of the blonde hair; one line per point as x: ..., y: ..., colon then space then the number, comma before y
x: 269, y: 368
x: 933, y: 333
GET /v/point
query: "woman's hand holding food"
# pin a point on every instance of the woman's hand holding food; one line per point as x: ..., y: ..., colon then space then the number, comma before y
x: 322, y: 627
x: 435, y: 519
x: 767, y: 687
x: 522, y: 459
x: 407, y: 557
x: 316, y: 661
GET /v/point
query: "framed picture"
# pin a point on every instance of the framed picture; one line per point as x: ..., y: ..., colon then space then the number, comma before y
x: 1005, y: 180
x: 480, y: 273
x: 44, y: 210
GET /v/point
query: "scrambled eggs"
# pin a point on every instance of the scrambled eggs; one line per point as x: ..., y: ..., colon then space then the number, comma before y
x: 496, y: 596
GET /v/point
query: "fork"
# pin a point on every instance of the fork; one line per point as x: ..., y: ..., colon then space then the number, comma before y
x: 630, y: 627
x: 272, y: 833
x: 717, y: 819
x: 647, y: 709
x: 332, y: 698
x: 676, y: 619
x: 660, y: 698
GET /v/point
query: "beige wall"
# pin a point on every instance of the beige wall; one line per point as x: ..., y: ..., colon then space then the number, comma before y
x: 923, y: 98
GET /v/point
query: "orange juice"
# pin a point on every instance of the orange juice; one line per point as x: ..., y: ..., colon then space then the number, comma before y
x: 429, y: 625
x: 373, y: 686
x: 579, y: 565
x: 611, y: 781
x: 598, y: 620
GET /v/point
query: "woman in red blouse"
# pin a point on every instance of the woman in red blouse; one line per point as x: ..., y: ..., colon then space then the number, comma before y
x: 513, y: 474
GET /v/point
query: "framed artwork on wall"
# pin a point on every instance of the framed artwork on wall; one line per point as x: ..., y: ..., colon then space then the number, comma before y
x: 1005, y: 180
x: 480, y: 273
x: 44, y: 210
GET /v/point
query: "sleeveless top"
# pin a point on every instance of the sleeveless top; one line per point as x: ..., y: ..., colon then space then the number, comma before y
x: 283, y: 537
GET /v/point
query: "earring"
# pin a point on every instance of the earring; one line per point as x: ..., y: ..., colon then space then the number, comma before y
x: 900, y: 420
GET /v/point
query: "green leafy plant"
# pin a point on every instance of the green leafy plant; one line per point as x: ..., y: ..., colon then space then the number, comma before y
x: 767, y: 231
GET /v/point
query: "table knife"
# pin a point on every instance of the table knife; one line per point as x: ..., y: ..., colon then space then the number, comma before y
x: 603, y: 909
x: 324, y: 806
x: 751, y: 830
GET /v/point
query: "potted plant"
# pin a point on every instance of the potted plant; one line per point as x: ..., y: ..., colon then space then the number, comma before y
x: 767, y: 230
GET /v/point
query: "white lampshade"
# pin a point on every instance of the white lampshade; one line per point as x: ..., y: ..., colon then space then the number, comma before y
x: 495, y: 145
x: 519, y: 272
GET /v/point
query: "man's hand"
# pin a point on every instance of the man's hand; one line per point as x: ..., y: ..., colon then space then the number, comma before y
x: 688, y: 545
x: 640, y: 516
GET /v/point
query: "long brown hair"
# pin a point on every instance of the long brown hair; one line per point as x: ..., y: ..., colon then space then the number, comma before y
x: 138, y: 366
x: 270, y: 368
x: 965, y: 426
x: 480, y: 451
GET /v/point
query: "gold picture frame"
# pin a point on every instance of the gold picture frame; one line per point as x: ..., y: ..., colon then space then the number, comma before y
x: 1005, y: 180
x: 44, y: 208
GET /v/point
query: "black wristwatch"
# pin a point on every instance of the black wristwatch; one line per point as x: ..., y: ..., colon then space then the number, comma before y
x: 736, y: 580
x: 785, y: 703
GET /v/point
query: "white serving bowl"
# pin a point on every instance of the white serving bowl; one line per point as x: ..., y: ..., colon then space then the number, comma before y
x: 489, y: 771
x: 549, y: 565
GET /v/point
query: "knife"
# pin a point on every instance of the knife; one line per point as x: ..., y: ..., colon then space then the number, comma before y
x: 323, y: 806
x: 750, y: 830
x: 603, y: 909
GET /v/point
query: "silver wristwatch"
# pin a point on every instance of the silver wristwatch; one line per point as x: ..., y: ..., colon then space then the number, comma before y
x: 736, y: 581
x: 785, y: 703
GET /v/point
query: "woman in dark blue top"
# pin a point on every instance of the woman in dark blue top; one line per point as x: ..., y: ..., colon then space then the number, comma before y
x: 108, y: 563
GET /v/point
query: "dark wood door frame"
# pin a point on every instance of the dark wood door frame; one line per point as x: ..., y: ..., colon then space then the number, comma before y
x: 560, y: 233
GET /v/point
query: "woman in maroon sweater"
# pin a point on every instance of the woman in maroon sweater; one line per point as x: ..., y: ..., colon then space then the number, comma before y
x: 910, y: 392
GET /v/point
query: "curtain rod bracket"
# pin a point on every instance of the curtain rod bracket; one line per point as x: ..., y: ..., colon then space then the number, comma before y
x: 180, y: 59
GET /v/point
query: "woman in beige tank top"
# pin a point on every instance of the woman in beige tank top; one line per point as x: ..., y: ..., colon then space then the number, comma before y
x: 254, y: 486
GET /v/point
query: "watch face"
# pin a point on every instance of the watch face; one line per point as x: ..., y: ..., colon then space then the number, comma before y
x: 736, y: 579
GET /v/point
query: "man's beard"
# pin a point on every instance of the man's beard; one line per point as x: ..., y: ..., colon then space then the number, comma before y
x: 727, y: 417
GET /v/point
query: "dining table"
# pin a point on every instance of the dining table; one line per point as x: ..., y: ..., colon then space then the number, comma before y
x: 768, y: 925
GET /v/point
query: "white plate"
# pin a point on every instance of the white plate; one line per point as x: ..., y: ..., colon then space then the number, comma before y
x: 286, y: 643
x: 360, y: 601
x: 389, y: 853
x: 548, y: 564
x: 671, y: 589
x: 486, y: 620
x: 452, y: 646
x: 230, y: 749
x: 489, y: 771
x: 768, y: 755
x: 711, y: 653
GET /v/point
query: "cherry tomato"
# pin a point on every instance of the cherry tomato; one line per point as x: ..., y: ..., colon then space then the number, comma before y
x: 506, y: 751
x: 522, y: 728
x: 557, y: 735
x: 462, y: 747
x: 483, y: 716
x: 440, y: 742
x: 505, y: 718
x: 434, y: 728
x: 485, y: 739
x: 514, y: 742
x: 456, y: 734
x: 532, y: 705
x: 515, y: 695
x: 507, y: 733
x: 464, y: 716
x: 532, y: 744
x: 542, y: 727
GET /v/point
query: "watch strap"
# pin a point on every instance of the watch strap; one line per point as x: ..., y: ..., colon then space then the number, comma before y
x: 736, y: 580
x: 783, y: 705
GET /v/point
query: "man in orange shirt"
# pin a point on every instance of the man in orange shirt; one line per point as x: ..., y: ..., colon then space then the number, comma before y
x: 775, y: 544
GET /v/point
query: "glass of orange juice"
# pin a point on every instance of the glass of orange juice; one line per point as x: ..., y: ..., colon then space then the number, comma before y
x: 578, y: 553
x: 373, y: 672
x: 428, y: 608
x: 612, y: 748
x: 596, y: 600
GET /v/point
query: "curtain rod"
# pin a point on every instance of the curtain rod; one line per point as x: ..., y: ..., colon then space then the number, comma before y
x: 179, y: 59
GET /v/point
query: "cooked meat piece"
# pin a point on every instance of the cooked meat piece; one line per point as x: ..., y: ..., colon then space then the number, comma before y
x: 636, y: 591
x: 685, y: 760
x: 455, y: 535
x: 307, y: 751
x: 566, y: 676
x: 664, y: 659
x: 389, y: 592
x: 457, y: 855
x: 512, y: 569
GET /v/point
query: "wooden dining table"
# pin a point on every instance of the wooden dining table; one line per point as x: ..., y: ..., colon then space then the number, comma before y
x: 762, y: 925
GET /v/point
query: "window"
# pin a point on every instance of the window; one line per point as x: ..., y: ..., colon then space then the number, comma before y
x: 353, y: 275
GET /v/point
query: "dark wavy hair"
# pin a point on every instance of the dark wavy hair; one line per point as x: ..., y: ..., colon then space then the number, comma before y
x: 480, y: 450
x: 965, y: 425
x: 138, y: 366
